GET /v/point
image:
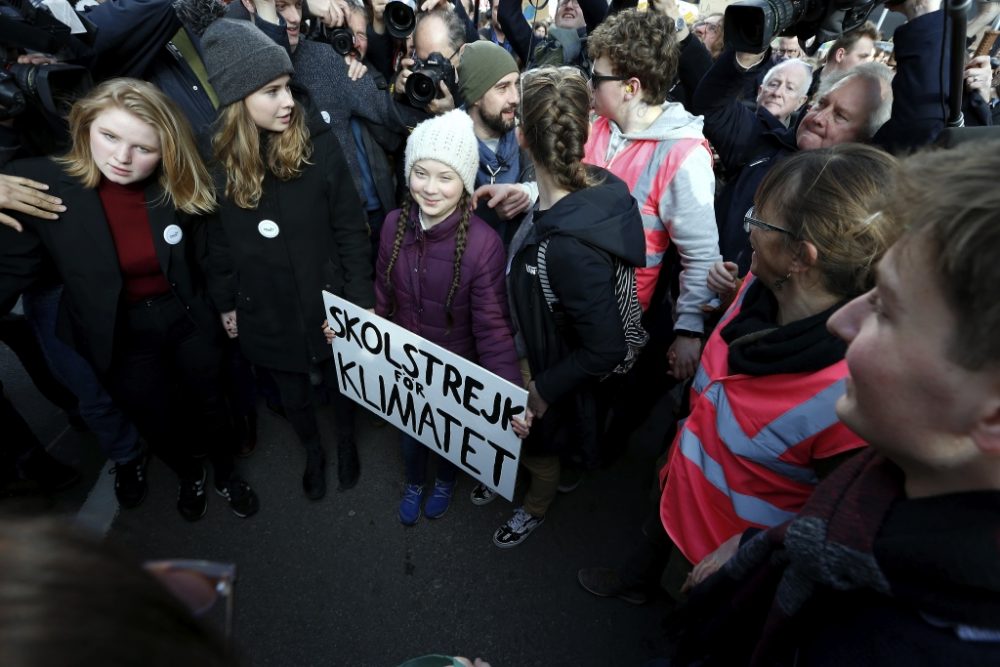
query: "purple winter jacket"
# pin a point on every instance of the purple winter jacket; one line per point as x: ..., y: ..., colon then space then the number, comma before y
x: 421, y: 278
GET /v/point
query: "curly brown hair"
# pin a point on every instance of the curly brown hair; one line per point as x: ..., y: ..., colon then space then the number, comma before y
x: 640, y: 45
x: 555, y: 123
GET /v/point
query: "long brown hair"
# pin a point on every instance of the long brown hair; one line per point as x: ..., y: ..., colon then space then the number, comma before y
x: 461, y: 240
x: 182, y: 174
x: 555, y: 123
x: 237, y: 147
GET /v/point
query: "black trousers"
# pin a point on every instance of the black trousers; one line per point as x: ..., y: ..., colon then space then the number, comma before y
x: 297, y: 398
x: 165, y: 374
x: 17, y: 334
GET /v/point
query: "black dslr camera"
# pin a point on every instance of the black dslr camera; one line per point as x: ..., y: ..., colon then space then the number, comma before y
x: 424, y: 84
x: 400, y: 18
x: 750, y: 25
x: 340, y: 38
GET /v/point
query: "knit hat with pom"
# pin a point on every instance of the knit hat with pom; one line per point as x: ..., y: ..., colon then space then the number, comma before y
x: 450, y: 140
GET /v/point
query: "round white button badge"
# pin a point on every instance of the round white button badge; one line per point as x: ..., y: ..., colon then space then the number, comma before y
x: 268, y: 229
x: 326, y: 116
x: 173, y: 234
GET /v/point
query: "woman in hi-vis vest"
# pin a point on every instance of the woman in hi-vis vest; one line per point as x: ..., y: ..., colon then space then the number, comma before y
x: 763, y: 429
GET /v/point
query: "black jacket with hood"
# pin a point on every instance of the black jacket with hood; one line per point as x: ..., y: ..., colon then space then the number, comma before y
x: 586, y: 230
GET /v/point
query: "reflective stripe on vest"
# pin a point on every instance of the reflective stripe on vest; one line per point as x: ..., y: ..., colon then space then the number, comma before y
x: 803, y: 421
x: 747, y: 507
x: 647, y: 166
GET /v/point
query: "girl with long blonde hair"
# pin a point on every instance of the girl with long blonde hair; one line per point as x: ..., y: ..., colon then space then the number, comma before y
x: 135, y: 190
x: 292, y: 225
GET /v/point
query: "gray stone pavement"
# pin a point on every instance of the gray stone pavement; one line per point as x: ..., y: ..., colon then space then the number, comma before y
x: 341, y: 582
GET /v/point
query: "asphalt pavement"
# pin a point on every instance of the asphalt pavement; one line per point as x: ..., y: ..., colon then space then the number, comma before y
x: 341, y: 582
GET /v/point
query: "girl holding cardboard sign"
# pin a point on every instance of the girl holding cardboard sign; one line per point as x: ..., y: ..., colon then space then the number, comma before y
x: 440, y: 274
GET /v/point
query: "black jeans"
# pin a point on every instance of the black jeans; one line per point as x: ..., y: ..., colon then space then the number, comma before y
x: 296, y: 390
x: 161, y: 356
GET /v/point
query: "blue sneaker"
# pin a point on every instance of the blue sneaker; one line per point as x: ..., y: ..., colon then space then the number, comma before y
x: 440, y: 499
x: 409, y: 507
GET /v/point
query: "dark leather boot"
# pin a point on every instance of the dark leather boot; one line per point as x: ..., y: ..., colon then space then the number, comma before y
x: 348, y: 466
x: 314, y: 478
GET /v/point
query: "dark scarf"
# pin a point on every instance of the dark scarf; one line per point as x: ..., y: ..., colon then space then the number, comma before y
x: 504, y: 166
x: 758, y: 345
x: 857, y: 533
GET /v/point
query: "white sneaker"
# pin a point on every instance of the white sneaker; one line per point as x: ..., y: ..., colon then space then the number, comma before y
x: 482, y: 495
x: 517, y: 528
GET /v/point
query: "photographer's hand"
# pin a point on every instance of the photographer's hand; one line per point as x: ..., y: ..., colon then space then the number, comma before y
x: 443, y: 104
x: 979, y: 76
x: 404, y: 73
x: 355, y: 68
x: 669, y: 7
x: 27, y: 196
x: 329, y: 12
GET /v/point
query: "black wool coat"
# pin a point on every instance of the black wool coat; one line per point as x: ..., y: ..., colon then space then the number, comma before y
x: 83, y: 253
x: 270, y: 264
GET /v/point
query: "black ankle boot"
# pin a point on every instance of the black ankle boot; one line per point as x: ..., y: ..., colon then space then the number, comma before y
x: 348, y: 467
x: 314, y: 478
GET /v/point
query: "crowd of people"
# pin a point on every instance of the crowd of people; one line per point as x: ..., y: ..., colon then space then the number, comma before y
x: 600, y: 210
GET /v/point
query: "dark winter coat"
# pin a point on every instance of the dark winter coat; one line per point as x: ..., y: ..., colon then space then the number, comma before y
x: 275, y: 284
x: 586, y: 230
x: 134, y: 39
x: 83, y: 251
x: 421, y: 278
x: 749, y: 143
x: 863, y: 576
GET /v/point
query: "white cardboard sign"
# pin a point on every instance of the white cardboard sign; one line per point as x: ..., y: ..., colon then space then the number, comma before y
x: 456, y: 408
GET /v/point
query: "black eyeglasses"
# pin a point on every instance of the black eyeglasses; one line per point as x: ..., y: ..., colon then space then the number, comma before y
x: 750, y: 221
x: 596, y: 79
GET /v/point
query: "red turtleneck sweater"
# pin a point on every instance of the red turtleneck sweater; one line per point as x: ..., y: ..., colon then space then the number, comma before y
x: 128, y: 220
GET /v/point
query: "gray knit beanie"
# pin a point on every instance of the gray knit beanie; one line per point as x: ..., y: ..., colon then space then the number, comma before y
x: 241, y: 59
x: 449, y: 139
x: 480, y: 66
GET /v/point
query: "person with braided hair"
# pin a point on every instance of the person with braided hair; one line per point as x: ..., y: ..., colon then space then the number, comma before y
x: 440, y: 274
x: 568, y: 257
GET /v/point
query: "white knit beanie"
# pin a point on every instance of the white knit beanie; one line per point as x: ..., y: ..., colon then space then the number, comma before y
x: 449, y: 139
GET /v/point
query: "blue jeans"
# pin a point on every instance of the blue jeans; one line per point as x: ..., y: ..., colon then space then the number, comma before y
x: 415, y: 457
x: 116, y: 434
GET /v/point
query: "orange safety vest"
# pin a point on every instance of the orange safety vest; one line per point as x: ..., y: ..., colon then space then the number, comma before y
x: 647, y: 167
x: 743, y: 457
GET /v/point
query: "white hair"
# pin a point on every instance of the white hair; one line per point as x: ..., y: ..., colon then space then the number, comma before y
x: 791, y: 62
x: 873, y: 72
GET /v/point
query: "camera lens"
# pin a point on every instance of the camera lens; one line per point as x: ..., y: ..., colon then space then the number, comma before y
x: 421, y: 89
x: 400, y: 18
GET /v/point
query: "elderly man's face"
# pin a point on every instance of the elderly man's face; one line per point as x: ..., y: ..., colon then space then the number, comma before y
x: 784, y: 90
x: 431, y: 36
x: 787, y: 48
x: 840, y: 116
x: 709, y: 31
